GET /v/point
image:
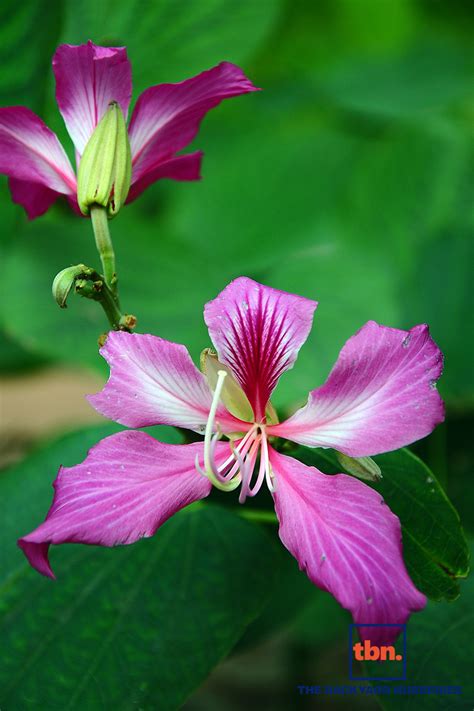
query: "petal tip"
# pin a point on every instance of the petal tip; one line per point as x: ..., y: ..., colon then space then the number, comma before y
x: 37, y: 556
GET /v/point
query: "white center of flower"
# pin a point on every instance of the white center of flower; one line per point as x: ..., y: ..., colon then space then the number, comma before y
x: 239, y: 467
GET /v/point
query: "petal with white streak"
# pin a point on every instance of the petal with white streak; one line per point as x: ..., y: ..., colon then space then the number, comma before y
x: 35, y: 161
x: 166, y: 117
x: 88, y: 78
x: 155, y: 382
x: 380, y: 395
x: 125, y: 489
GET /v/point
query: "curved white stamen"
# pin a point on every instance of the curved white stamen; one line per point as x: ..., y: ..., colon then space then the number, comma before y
x: 244, y: 443
x: 269, y: 476
x: 210, y: 470
x: 238, y: 459
x: 263, y: 468
x: 249, y: 467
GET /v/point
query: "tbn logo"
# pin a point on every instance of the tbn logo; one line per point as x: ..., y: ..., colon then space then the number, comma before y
x: 380, y: 661
x: 368, y: 652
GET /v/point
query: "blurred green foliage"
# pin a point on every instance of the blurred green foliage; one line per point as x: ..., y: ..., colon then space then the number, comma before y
x: 348, y: 179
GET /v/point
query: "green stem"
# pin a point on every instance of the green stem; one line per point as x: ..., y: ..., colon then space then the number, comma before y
x: 111, y: 309
x: 258, y: 515
x: 92, y: 287
x: 100, y: 225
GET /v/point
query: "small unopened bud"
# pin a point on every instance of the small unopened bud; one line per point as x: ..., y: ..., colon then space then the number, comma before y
x: 105, y: 168
x: 361, y: 467
x: 64, y: 281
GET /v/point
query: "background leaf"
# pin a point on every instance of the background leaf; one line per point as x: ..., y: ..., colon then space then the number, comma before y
x: 170, y: 41
x: 139, y: 626
x: 436, y: 654
x: 434, y: 546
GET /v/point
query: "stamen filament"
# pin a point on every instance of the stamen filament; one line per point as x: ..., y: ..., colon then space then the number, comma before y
x: 262, y: 470
x: 239, y: 447
x: 249, y: 467
x: 210, y: 470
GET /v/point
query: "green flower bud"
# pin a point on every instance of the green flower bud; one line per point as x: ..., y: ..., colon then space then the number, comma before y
x: 361, y: 467
x: 64, y: 281
x: 105, y: 168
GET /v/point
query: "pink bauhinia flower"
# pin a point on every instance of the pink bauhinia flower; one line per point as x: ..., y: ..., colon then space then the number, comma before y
x: 379, y: 396
x: 165, y: 119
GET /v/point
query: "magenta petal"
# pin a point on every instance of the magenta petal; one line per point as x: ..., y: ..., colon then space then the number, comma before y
x: 187, y: 167
x: 380, y: 395
x: 35, y: 161
x: 166, y: 117
x: 88, y: 78
x: 258, y: 332
x: 125, y: 489
x: 348, y: 542
x: 153, y: 382
x: 35, y: 198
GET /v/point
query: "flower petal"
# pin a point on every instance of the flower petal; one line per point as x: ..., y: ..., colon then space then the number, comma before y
x: 34, y: 159
x: 125, y: 489
x: 166, y: 117
x: 88, y: 78
x: 258, y: 332
x: 187, y: 167
x: 35, y: 198
x: 381, y: 394
x: 348, y: 542
x: 154, y: 382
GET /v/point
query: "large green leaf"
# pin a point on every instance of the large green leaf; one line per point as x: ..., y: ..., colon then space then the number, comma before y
x: 168, y: 41
x: 346, y: 215
x: 25, y: 52
x: 435, y: 549
x: 440, y: 292
x: 133, y: 627
x: 419, y: 80
x: 438, y: 655
x: 385, y: 59
x: 291, y: 593
x: 351, y: 287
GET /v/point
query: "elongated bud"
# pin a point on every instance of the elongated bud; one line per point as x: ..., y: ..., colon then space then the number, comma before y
x: 232, y: 394
x: 106, y: 166
x: 64, y: 281
x: 361, y: 467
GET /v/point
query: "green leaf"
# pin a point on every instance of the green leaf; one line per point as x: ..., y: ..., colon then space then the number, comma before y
x: 435, y: 549
x: 131, y: 627
x: 437, y: 654
x: 425, y: 78
x: 351, y: 287
x: 169, y: 41
x: 291, y: 593
x: 14, y: 358
x: 448, y: 309
x: 25, y: 52
x: 164, y: 290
